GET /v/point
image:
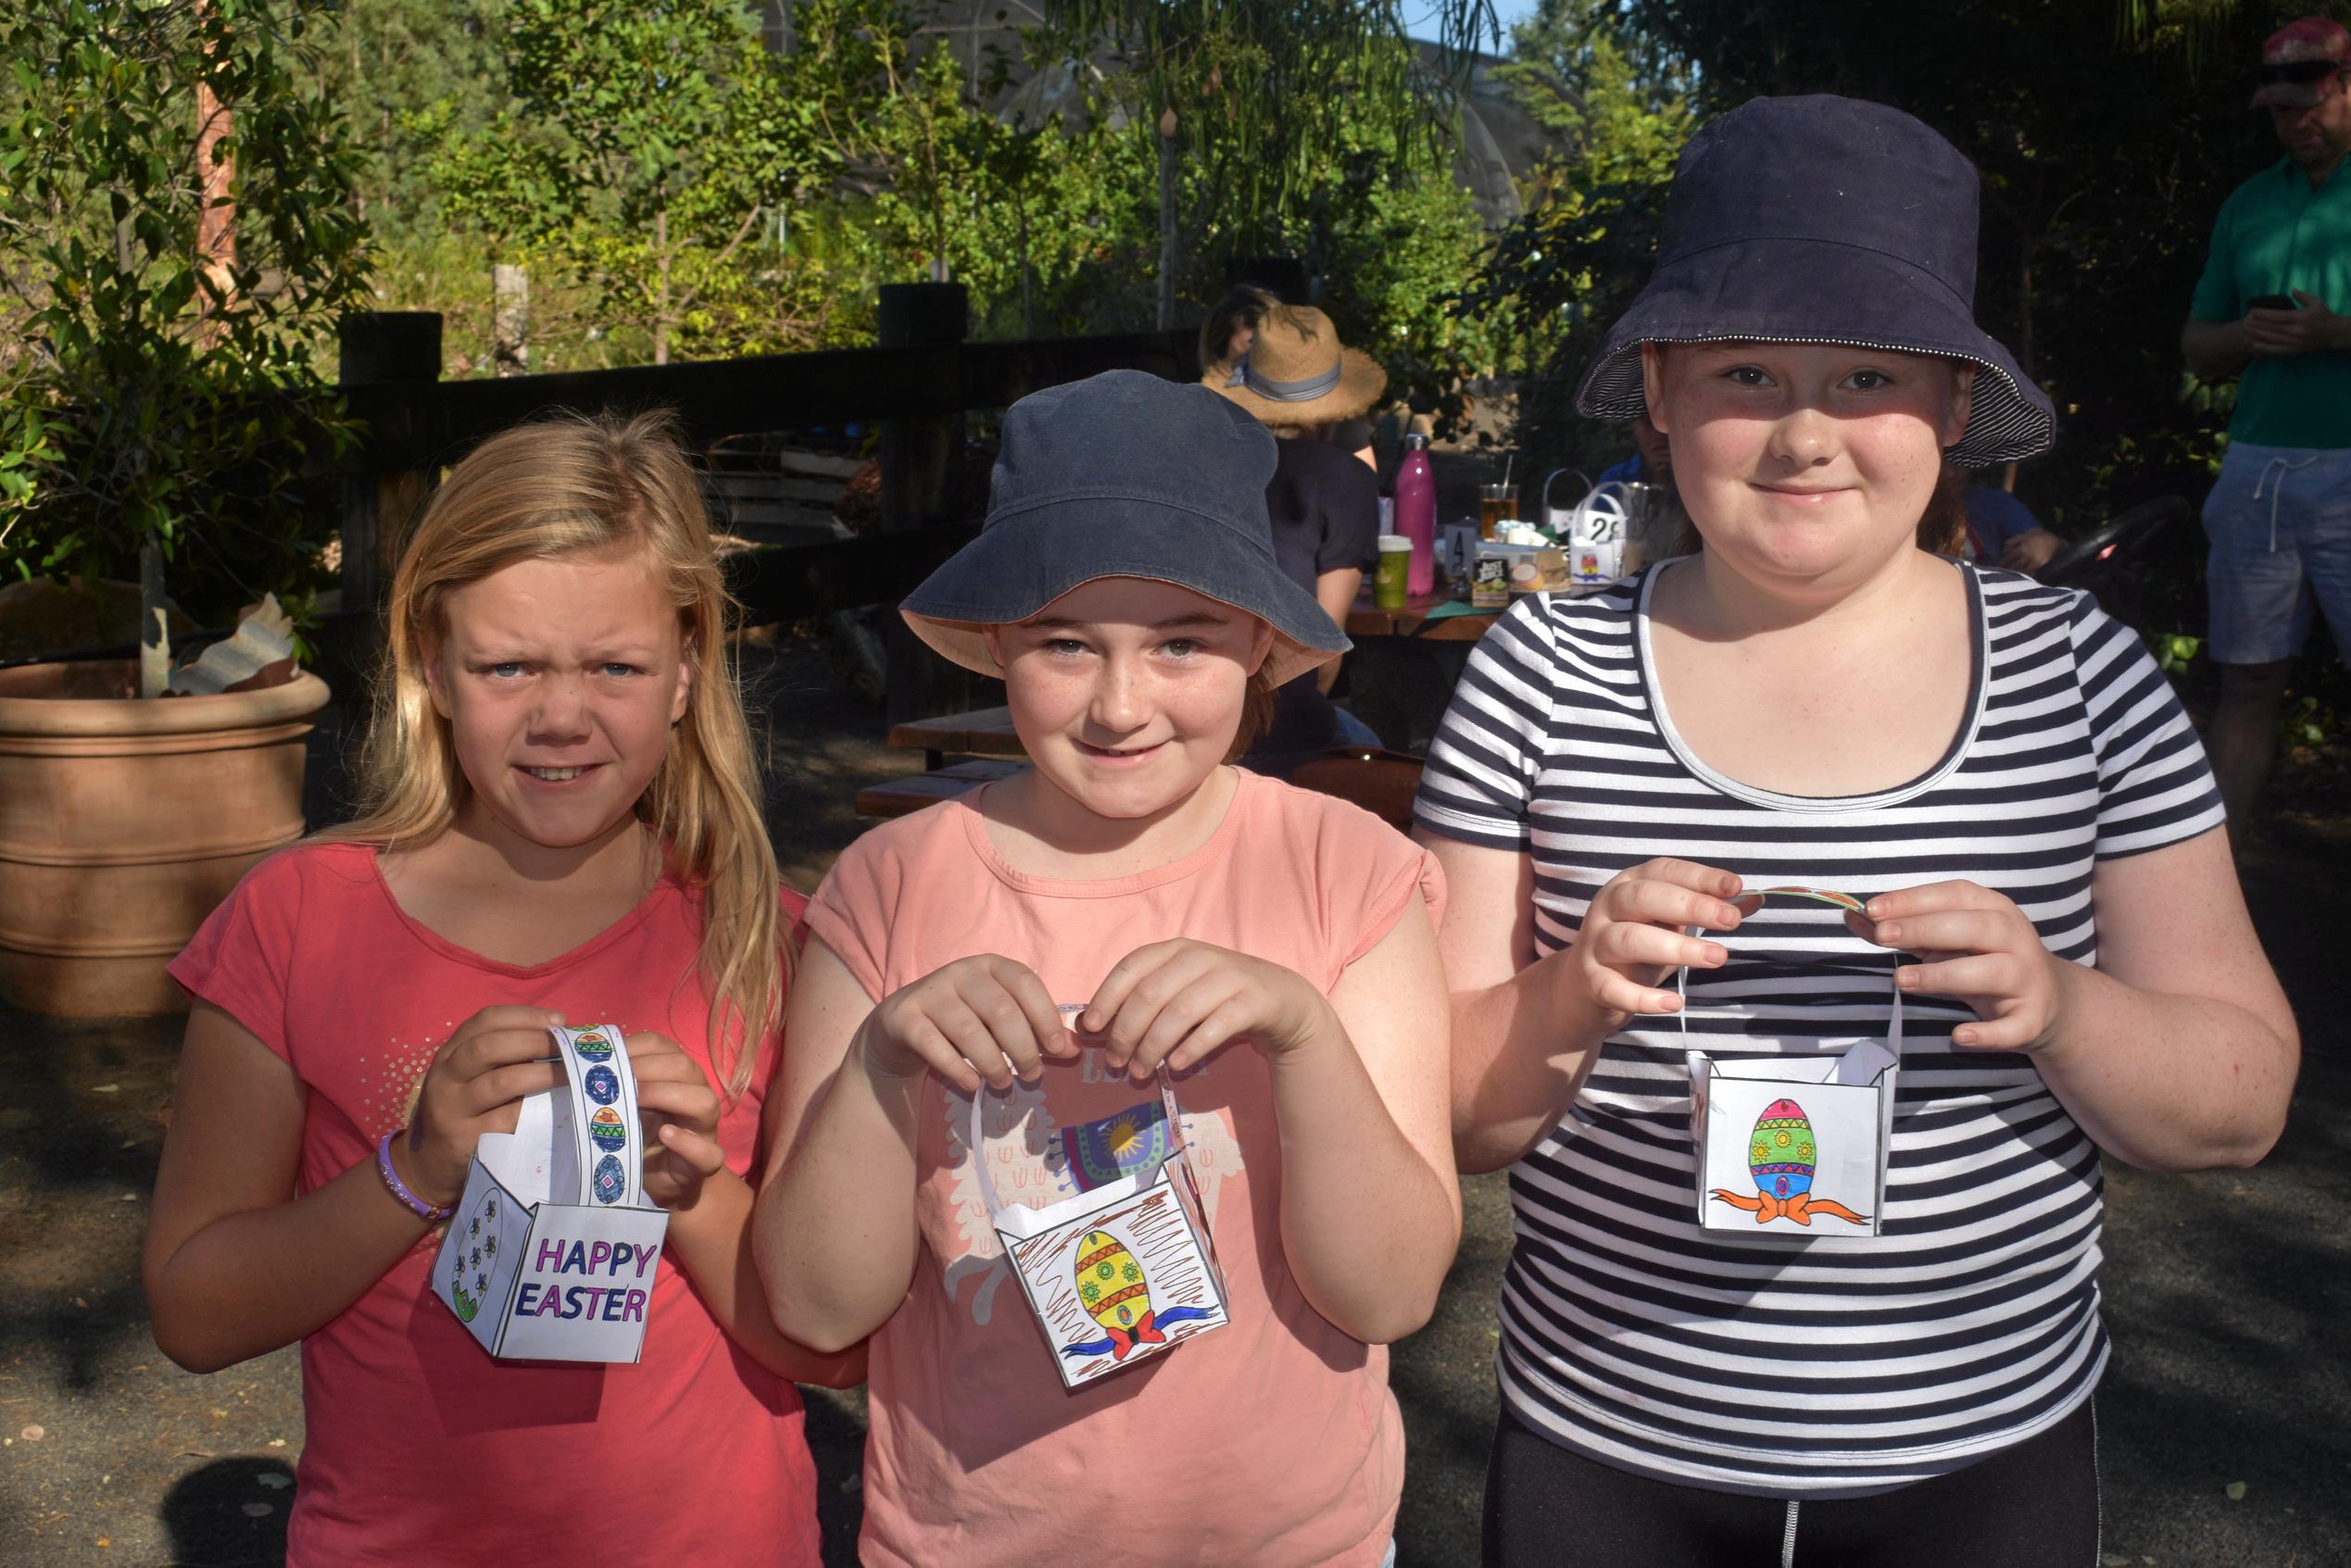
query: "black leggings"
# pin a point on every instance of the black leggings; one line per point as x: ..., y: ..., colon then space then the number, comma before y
x: 2032, y: 1506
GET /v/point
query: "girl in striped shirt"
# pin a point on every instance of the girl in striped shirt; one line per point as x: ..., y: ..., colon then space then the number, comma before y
x: 1820, y: 695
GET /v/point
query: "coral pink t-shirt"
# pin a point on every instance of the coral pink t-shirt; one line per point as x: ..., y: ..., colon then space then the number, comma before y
x: 1272, y: 1441
x: 419, y: 1446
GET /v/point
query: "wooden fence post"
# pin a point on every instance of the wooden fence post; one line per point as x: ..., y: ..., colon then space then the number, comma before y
x: 917, y: 454
x: 919, y: 457
x: 383, y: 346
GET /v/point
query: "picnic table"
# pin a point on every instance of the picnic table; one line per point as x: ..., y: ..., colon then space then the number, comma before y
x: 896, y: 797
x: 1438, y: 618
x: 983, y: 737
x: 984, y: 732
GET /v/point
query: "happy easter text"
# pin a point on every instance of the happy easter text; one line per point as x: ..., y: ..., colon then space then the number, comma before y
x: 611, y: 1303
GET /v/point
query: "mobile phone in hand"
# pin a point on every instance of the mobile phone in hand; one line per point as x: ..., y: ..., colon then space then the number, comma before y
x: 2273, y: 302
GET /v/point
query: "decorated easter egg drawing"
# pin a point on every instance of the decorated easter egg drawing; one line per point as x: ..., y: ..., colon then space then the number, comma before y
x: 1781, y: 1155
x: 601, y: 1084
x: 1111, y: 1284
x: 606, y: 1129
x: 595, y: 1045
x: 609, y: 1182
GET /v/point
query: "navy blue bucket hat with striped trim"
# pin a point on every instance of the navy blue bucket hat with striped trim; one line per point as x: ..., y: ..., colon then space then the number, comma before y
x: 1824, y: 219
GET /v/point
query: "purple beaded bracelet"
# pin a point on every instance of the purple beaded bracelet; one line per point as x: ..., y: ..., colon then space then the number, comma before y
x: 432, y: 1214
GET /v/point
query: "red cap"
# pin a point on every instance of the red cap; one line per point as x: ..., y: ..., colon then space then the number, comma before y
x: 2299, y: 60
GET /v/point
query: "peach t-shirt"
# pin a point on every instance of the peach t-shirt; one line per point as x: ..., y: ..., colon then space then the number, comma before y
x: 1270, y: 1441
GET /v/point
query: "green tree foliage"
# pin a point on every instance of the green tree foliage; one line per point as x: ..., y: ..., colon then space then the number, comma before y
x: 152, y: 394
x: 1388, y: 231
x: 1032, y: 217
x: 898, y: 164
x: 1618, y: 103
x: 386, y: 59
x: 642, y: 150
x: 1261, y: 90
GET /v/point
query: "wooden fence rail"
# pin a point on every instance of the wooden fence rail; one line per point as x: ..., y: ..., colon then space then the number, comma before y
x: 915, y: 384
x: 413, y: 425
x: 916, y: 388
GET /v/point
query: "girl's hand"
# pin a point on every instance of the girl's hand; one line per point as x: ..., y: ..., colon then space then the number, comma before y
x: 1633, y: 934
x: 679, y: 1113
x: 1176, y: 1002
x: 983, y: 1018
x: 474, y: 1086
x: 1979, y: 947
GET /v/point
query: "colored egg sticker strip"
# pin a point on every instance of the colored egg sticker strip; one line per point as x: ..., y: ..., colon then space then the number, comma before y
x: 604, y: 1108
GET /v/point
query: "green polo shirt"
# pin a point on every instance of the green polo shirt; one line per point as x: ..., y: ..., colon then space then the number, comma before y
x: 2274, y: 235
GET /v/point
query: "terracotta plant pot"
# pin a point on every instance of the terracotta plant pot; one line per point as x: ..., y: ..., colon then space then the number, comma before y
x: 123, y: 821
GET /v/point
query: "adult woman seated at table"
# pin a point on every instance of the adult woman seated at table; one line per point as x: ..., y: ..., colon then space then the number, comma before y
x: 1821, y: 695
x: 1297, y: 379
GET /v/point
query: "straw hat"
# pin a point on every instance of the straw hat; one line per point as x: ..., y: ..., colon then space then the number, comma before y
x: 1298, y: 374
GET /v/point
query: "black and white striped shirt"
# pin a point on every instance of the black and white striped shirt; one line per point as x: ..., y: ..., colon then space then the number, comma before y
x: 1833, y: 1366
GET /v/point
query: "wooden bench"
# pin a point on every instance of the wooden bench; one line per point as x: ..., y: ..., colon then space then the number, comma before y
x: 898, y: 797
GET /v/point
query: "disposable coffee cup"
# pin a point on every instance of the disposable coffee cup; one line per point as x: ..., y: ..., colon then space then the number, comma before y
x: 1388, y: 584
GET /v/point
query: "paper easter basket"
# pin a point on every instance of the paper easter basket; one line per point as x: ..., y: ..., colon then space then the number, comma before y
x: 551, y: 1253
x: 1795, y: 1148
x: 1118, y: 1274
x: 1591, y: 534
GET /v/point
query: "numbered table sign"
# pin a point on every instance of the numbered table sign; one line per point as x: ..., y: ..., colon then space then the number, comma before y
x: 552, y: 1252
x: 1117, y: 1275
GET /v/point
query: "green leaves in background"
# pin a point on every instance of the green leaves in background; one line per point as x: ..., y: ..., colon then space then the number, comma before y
x: 143, y: 393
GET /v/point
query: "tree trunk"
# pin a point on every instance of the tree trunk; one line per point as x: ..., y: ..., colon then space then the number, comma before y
x: 1167, y: 220
x: 662, y: 296
x: 155, y: 647
x: 1028, y: 273
x: 510, y: 320
x: 215, y: 224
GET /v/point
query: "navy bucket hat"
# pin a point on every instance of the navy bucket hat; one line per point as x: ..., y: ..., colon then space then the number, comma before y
x: 1824, y: 219
x: 1123, y: 474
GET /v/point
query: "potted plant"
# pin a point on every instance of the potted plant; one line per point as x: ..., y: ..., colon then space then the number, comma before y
x: 176, y: 239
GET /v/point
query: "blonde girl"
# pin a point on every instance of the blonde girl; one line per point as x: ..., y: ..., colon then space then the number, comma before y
x: 560, y: 822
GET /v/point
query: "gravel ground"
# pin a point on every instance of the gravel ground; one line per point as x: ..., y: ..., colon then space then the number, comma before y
x: 2224, y: 1437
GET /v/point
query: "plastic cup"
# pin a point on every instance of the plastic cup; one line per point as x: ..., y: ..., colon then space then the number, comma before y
x: 1495, y: 502
x: 1391, y: 582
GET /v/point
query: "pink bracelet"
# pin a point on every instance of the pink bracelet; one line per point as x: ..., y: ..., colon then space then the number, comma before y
x: 432, y: 1214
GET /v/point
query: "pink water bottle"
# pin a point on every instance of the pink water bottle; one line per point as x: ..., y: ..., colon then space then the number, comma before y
x: 1417, y: 511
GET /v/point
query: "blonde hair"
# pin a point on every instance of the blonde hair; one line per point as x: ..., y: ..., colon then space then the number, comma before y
x: 587, y: 485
